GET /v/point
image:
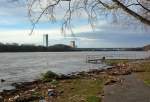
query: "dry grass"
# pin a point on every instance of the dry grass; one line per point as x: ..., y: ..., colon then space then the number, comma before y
x: 144, y: 71
x: 80, y: 90
x: 115, y: 62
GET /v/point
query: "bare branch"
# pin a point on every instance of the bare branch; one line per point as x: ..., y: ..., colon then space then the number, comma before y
x: 92, y: 8
x: 134, y: 14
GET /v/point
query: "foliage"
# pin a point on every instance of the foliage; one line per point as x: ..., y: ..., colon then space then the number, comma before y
x: 54, y: 82
x: 49, y: 76
x: 115, y: 62
x: 36, y: 94
x: 93, y: 99
x: 14, y: 47
x: 144, y: 71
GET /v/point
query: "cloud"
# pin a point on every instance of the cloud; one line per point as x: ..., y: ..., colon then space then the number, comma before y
x: 12, y: 12
x: 22, y: 35
x: 15, y: 27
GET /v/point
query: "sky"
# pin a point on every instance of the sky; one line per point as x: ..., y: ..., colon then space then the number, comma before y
x: 15, y: 28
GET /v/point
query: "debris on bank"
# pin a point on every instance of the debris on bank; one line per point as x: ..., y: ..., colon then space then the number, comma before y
x: 46, y: 88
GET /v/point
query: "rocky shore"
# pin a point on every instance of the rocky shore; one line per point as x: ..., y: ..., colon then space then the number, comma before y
x: 49, y: 91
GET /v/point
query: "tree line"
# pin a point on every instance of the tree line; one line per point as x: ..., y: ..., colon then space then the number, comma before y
x: 14, y: 47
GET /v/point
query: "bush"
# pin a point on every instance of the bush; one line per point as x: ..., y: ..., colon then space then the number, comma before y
x: 49, y: 75
x: 93, y: 99
x: 115, y: 62
x: 54, y: 82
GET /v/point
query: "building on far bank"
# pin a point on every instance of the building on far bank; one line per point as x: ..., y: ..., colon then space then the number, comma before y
x: 72, y: 44
x: 45, y: 40
x: 146, y: 48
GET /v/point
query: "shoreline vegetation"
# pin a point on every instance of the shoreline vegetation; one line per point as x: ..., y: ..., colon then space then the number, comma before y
x: 76, y: 87
x: 14, y: 47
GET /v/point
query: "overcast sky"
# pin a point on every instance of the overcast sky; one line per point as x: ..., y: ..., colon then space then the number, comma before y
x: 15, y: 28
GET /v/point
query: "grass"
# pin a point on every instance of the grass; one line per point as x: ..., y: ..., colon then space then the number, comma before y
x: 145, y: 76
x: 144, y: 67
x: 93, y: 99
x: 115, y: 62
x: 80, y: 90
x: 83, y: 89
x: 36, y: 94
x: 54, y: 82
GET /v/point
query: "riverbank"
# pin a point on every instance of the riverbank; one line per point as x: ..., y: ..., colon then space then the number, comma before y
x: 134, y: 87
x: 66, y: 89
x: 76, y: 87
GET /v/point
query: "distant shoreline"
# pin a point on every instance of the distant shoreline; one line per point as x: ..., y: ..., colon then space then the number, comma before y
x: 60, y: 51
x: 57, y: 48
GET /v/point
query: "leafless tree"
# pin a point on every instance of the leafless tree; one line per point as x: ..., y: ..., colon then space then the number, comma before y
x: 93, y: 9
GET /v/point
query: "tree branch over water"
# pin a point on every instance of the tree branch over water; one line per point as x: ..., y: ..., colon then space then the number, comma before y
x: 38, y: 9
x: 134, y: 14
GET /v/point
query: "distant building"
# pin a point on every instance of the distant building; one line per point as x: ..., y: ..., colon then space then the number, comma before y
x: 146, y: 48
x: 45, y: 40
x: 72, y: 44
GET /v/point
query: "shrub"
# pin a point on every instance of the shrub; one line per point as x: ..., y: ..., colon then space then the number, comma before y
x: 54, y: 82
x: 93, y: 99
x: 49, y: 75
x: 115, y: 62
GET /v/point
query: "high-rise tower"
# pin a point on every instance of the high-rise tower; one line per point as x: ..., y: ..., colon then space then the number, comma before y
x: 45, y: 40
x: 72, y: 44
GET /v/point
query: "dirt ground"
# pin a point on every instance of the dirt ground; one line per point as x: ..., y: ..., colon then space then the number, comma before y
x: 131, y: 89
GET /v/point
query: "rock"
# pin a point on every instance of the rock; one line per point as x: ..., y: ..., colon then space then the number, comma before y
x: 16, y: 85
x: 51, y: 92
x: 64, y: 77
x: 110, y: 81
x: 9, y: 92
x: 11, y: 99
x: 26, y: 98
x: 16, y: 97
x: 1, y: 99
x: 53, y: 86
x: 42, y: 99
x: 72, y: 88
x: 119, y: 71
x: 83, y: 73
x: 32, y: 90
x: 2, y: 80
x: 61, y: 92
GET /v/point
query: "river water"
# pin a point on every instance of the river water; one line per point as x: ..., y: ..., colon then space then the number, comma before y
x: 22, y: 67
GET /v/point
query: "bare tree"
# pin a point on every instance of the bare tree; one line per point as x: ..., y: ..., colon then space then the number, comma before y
x: 92, y: 9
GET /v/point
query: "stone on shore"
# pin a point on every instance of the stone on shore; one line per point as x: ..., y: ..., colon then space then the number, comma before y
x: 1, y: 99
x: 2, y: 80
